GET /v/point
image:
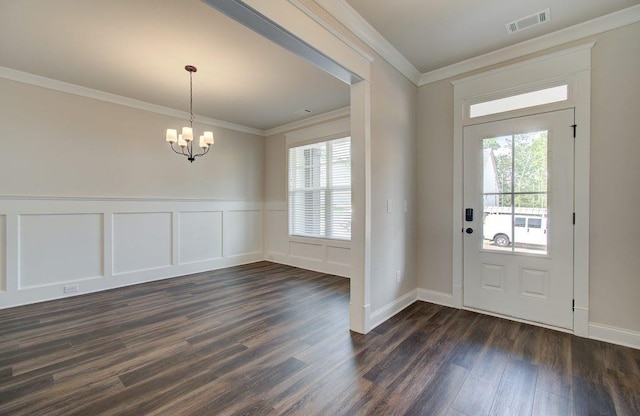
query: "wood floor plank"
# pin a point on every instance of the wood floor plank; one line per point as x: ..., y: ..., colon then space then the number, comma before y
x: 591, y: 398
x: 624, y: 390
x: 479, y: 389
x: 440, y: 391
x: 550, y: 404
x: 517, y: 389
x: 554, y: 363
x: 269, y: 339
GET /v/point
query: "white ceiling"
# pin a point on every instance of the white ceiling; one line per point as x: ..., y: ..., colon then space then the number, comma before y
x: 436, y: 33
x: 138, y: 49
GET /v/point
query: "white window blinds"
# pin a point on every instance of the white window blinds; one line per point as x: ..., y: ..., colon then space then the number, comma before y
x: 320, y: 189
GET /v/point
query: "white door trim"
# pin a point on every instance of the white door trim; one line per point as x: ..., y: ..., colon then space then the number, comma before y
x: 573, y: 64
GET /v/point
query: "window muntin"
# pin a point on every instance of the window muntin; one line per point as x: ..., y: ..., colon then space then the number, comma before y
x: 520, y: 101
x: 320, y: 189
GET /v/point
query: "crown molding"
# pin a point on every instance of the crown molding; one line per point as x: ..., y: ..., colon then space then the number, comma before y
x: 350, y: 18
x: 531, y: 61
x: 66, y: 87
x: 320, y: 118
x: 592, y: 27
x: 306, y: 10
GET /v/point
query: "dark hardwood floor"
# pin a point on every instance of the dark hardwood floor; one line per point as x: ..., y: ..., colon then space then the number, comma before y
x: 268, y: 339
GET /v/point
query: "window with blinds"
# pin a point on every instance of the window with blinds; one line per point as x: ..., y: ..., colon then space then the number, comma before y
x: 320, y: 189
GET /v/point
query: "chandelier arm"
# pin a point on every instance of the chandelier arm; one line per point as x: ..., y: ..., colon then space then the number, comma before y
x: 180, y: 153
x: 204, y: 152
x: 191, y: 148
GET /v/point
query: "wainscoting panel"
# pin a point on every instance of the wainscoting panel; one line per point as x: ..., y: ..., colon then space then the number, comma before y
x: 245, y: 232
x: 142, y: 241
x: 339, y: 255
x: 200, y: 236
x: 3, y: 255
x: 59, y: 248
x: 321, y: 255
x: 277, y: 238
x: 307, y: 251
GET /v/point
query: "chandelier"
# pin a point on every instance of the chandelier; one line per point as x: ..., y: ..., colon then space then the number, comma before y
x: 184, y: 140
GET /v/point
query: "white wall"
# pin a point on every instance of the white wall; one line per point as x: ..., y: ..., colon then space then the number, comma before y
x: 58, y: 144
x: 393, y: 179
x: 615, y: 147
x: 323, y: 255
x: 615, y: 238
x: 91, y: 195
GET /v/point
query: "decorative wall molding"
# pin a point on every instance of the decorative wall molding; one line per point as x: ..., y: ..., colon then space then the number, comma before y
x: 317, y: 254
x: 320, y: 118
x: 89, y: 245
x: 61, y: 86
x: 71, y: 198
x: 592, y: 27
x: 381, y: 315
x: 614, y: 335
x: 52, y: 84
x: 432, y: 296
x: 352, y: 20
x: 327, y: 131
x: 329, y: 28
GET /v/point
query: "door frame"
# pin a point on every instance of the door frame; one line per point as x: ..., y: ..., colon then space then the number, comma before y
x: 573, y: 67
x: 507, y: 294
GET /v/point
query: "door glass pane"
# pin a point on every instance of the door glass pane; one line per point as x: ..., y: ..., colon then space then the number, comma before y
x: 514, y: 177
x: 530, y: 162
x: 497, y: 164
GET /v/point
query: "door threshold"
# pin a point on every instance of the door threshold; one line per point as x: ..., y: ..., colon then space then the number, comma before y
x: 524, y: 321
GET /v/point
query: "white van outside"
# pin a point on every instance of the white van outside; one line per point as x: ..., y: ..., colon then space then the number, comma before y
x: 530, y: 226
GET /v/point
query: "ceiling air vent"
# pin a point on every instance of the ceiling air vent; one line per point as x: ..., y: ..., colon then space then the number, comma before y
x: 528, y: 21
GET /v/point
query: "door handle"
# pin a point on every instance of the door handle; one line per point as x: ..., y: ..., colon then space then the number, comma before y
x: 469, y: 231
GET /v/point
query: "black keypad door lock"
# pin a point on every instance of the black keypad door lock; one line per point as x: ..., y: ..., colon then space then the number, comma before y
x: 468, y: 214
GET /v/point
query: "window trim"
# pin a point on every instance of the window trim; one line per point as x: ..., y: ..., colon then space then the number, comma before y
x: 332, y: 130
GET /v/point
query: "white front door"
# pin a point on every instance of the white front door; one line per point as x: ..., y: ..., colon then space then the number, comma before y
x: 518, y: 220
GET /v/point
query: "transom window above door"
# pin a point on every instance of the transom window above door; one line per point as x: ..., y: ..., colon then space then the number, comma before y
x: 518, y: 102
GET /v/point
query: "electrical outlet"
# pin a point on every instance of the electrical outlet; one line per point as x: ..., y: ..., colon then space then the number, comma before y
x: 389, y: 205
x: 71, y: 288
x: 406, y: 206
x: 398, y: 277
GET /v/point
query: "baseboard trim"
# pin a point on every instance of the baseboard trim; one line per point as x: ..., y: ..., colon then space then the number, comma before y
x: 614, y: 335
x: 392, y: 308
x: 432, y: 296
x: 342, y: 270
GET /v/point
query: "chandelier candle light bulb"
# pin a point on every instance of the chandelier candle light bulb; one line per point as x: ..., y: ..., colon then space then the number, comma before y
x: 185, y: 140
